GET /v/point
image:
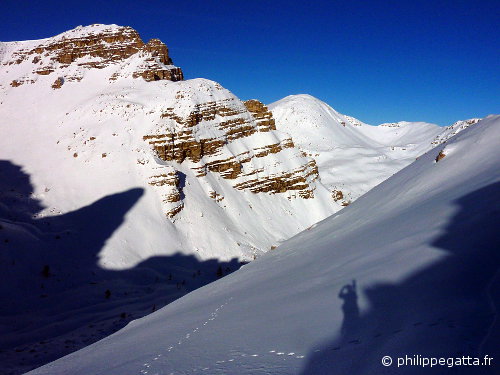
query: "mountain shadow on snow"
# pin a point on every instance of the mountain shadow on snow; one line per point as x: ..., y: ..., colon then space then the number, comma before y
x: 449, y: 309
x: 55, y: 297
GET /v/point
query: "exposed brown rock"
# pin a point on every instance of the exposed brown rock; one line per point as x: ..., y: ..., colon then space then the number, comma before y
x: 293, y: 180
x: 58, y: 83
x: 262, y: 115
x: 168, y: 181
x: 216, y: 196
x: 274, y: 148
x: 337, y: 195
x: 440, y: 156
x: 174, y: 211
x: 44, y: 71
x: 182, y: 142
x: 104, y: 48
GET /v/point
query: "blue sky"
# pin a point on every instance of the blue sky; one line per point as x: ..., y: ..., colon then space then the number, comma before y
x: 380, y: 61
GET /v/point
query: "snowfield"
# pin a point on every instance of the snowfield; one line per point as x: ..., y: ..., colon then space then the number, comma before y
x: 352, y: 156
x: 109, y: 210
x: 410, y: 268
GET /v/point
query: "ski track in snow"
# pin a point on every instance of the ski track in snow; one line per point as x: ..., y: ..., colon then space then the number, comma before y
x: 159, y: 360
x: 236, y: 356
x: 151, y: 368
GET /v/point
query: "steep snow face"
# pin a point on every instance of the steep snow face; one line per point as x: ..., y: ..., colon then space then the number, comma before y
x: 352, y: 156
x: 411, y: 268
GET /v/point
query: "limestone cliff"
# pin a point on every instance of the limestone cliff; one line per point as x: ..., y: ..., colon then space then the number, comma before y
x: 213, y: 136
x: 72, y: 53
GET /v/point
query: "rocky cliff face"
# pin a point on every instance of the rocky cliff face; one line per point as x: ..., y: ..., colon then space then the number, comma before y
x: 69, y: 55
x: 237, y: 141
x: 262, y: 115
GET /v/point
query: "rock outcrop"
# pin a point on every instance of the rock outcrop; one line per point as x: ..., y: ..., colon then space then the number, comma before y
x: 168, y: 181
x: 94, y: 47
x: 262, y: 115
x: 454, y: 129
x: 213, y: 137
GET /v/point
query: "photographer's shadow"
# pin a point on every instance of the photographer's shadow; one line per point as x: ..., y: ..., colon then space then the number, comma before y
x: 448, y: 309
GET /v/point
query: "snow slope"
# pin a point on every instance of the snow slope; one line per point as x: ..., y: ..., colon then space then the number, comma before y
x: 412, y: 267
x: 352, y: 156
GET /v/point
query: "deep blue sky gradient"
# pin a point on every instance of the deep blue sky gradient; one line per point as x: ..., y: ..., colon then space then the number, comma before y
x: 380, y: 61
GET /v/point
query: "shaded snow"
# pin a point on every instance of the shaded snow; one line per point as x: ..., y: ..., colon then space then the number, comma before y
x: 421, y: 247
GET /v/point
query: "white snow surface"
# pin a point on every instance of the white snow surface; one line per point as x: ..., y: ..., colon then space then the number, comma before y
x: 421, y: 248
x: 352, y: 156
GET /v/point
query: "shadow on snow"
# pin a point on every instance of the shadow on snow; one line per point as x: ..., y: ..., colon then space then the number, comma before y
x: 55, y: 298
x: 449, y: 309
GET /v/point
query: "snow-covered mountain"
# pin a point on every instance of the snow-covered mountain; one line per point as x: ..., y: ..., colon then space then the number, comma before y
x: 124, y: 187
x: 418, y: 275
x: 352, y: 156
x: 203, y: 157
x: 102, y: 112
x: 118, y: 174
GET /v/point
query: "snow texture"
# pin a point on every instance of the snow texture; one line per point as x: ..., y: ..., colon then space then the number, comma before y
x: 409, y: 268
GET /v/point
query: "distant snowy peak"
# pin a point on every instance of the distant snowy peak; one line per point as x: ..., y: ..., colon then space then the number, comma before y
x: 68, y: 56
x: 315, y: 122
x: 353, y: 156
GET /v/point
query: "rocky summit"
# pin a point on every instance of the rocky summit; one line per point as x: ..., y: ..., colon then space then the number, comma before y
x: 68, y: 55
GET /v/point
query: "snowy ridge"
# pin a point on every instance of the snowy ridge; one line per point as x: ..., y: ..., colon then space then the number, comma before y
x: 352, y: 156
x: 415, y: 262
